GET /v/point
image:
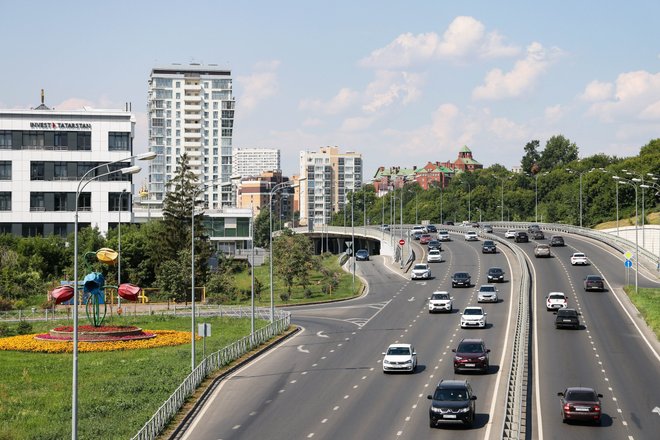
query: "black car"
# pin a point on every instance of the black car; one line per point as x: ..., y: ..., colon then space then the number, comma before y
x: 449, y: 223
x: 431, y: 228
x: 471, y: 354
x: 495, y: 274
x: 488, y: 247
x: 594, y: 282
x: 362, y: 255
x: 452, y: 402
x: 417, y: 235
x: 521, y: 237
x: 557, y: 240
x: 580, y: 403
x: 567, y: 318
x: 462, y: 279
x: 537, y: 234
x: 435, y: 244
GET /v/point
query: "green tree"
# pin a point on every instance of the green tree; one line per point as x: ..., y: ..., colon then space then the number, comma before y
x: 558, y: 152
x: 291, y: 256
x: 531, y: 156
x: 261, y: 228
x: 173, y: 277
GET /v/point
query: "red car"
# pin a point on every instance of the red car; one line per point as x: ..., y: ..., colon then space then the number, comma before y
x: 425, y: 238
x: 579, y: 403
x: 471, y: 354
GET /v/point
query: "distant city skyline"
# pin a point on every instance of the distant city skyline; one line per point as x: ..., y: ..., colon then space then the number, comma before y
x: 400, y: 85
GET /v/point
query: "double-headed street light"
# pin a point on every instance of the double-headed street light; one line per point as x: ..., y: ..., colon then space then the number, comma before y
x: 619, y: 180
x: 123, y: 191
x: 85, y: 179
x: 276, y: 188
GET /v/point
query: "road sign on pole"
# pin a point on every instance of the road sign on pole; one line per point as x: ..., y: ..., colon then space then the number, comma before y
x: 402, y: 242
x: 627, y: 263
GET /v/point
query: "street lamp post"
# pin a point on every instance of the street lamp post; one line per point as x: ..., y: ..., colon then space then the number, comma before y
x: 270, y: 238
x: 81, y: 185
x: 401, y: 222
x: 619, y: 180
x: 119, y: 248
x: 640, y: 179
x: 469, y: 207
x: 353, y: 240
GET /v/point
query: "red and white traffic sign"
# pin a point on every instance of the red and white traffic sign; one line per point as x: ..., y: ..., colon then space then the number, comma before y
x: 402, y: 242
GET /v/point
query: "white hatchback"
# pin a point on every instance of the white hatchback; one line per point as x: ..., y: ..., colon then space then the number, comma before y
x: 556, y: 300
x: 579, y: 258
x: 510, y: 233
x: 400, y: 357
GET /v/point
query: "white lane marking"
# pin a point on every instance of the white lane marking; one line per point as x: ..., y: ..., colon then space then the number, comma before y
x: 253, y: 413
x: 236, y: 426
x: 656, y: 410
x: 324, y: 420
x: 539, y: 418
x: 293, y: 381
x: 310, y: 435
x: 321, y: 334
x: 302, y: 350
x: 335, y: 408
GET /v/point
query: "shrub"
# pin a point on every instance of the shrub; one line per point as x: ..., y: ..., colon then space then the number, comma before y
x: 24, y: 328
x: 5, y: 304
x: 5, y: 330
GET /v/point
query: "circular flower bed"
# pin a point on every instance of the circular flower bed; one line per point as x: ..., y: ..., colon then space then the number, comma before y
x: 88, y: 333
x: 160, y: 338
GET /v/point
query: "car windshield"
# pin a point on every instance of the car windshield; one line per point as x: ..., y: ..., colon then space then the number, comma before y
x: 494, y: 271
x: 487, y: 289
x: 461, y: 275
x: 451, y: 394
x: 440, y: 296
x: 489, y: 243
x: 581, y: 396
x: 473, y: 312
x: 398, y: 351
x: 434, y: 252
x: 470, y: 347
x: 419, y: 267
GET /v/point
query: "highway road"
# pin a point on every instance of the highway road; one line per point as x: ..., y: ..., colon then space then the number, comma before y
x: 327, y: 382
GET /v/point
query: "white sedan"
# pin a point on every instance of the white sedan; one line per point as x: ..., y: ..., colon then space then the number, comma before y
x: 473, y: 317
x: 556, y: 300
x: 471, y: 236
x: 400, y: 357
x: 510, y: 233
x: 579, y: 258
x: 434, y: 256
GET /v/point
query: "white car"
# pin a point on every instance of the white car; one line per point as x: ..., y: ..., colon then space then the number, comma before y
x: 510, y: 233
x: 443, y: 235
x: 420, y: 271
x: 440, y: 301
x: 434, y: 256
x: 579, y: 258
x: 473, y: 317
x: 400, y: 357
x: 417, y: 228
x: 556, y: 300
x: 487, y: 293
x: 471, y: 236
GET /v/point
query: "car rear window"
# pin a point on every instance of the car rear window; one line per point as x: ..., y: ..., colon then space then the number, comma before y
x: 585, y: 396
x: 398, y: 351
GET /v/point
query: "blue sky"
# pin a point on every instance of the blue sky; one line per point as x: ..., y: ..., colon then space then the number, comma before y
x: 400, y: 82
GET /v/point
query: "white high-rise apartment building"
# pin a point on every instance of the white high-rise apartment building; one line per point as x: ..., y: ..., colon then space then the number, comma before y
x: 191, y: 110
x: 44, y: 154
x: 252, y: 162
x: 331, y: 175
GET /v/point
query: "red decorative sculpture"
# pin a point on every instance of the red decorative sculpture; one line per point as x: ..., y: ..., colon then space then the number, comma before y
x: 62, y: 294
x: 129, y: 291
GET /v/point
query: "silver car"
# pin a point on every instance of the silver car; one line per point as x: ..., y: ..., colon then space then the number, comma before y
x: 420, y: 271
x: 487, y: 293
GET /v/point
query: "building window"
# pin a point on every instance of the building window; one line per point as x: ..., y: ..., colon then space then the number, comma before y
x: 83, y: 167
x: 37, y: 202
x: 120, y: 141
x: 37, y: 171
x: 85, y: 202
x: 5, y: 201
x: 5, y: 170
x: 60, y: 200
x: 5, y: 140
x: 84, y: 141
x: 61, y: 139
x: 33, y: 139
x: 60, y: 171
x: 60, y: 229
x: 33, y: 229
x: 114, y: 199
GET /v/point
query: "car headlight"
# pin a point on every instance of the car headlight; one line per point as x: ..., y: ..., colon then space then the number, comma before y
x: 436, y: 410
x: 458, y: 358
x: 482, y: 358
x: 386, y: 362
x: 464, y: 410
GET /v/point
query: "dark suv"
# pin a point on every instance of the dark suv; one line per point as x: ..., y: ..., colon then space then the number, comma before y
x: 471, y: 354
x: 594, y: 282
x: 556, y: 240
x: 567, y: 318
x: 462, y: 279
x: 431, y: 228
x: 521, y: 237
x: 452, y: 401
x: 488, y: 247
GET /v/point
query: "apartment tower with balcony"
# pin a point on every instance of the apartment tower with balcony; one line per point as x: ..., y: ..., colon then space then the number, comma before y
x: 331, y: 176
x: 191, y: 111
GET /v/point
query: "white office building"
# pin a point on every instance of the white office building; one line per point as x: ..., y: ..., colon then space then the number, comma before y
x: 44, y: 153
x: 331, y: 176
x: 191, y: 111
x: 252, y: 162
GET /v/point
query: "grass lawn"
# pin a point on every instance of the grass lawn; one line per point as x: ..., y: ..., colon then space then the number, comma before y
x: 647, y: 302
x: 652, y: 218
x: 118, y: 391
x: 329, y: 261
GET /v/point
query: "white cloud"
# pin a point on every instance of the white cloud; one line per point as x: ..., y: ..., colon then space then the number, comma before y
x: 356, y: 124
x: 636, y: 96
x: 597, y: 91
x: 312, y: 122
x: 465, y: 36
x: 554, y: 113
x: 507, y: 130
x: 521, y: 78
x: 391, y: 87
x: 258, y: 86
x: 343, y: 100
